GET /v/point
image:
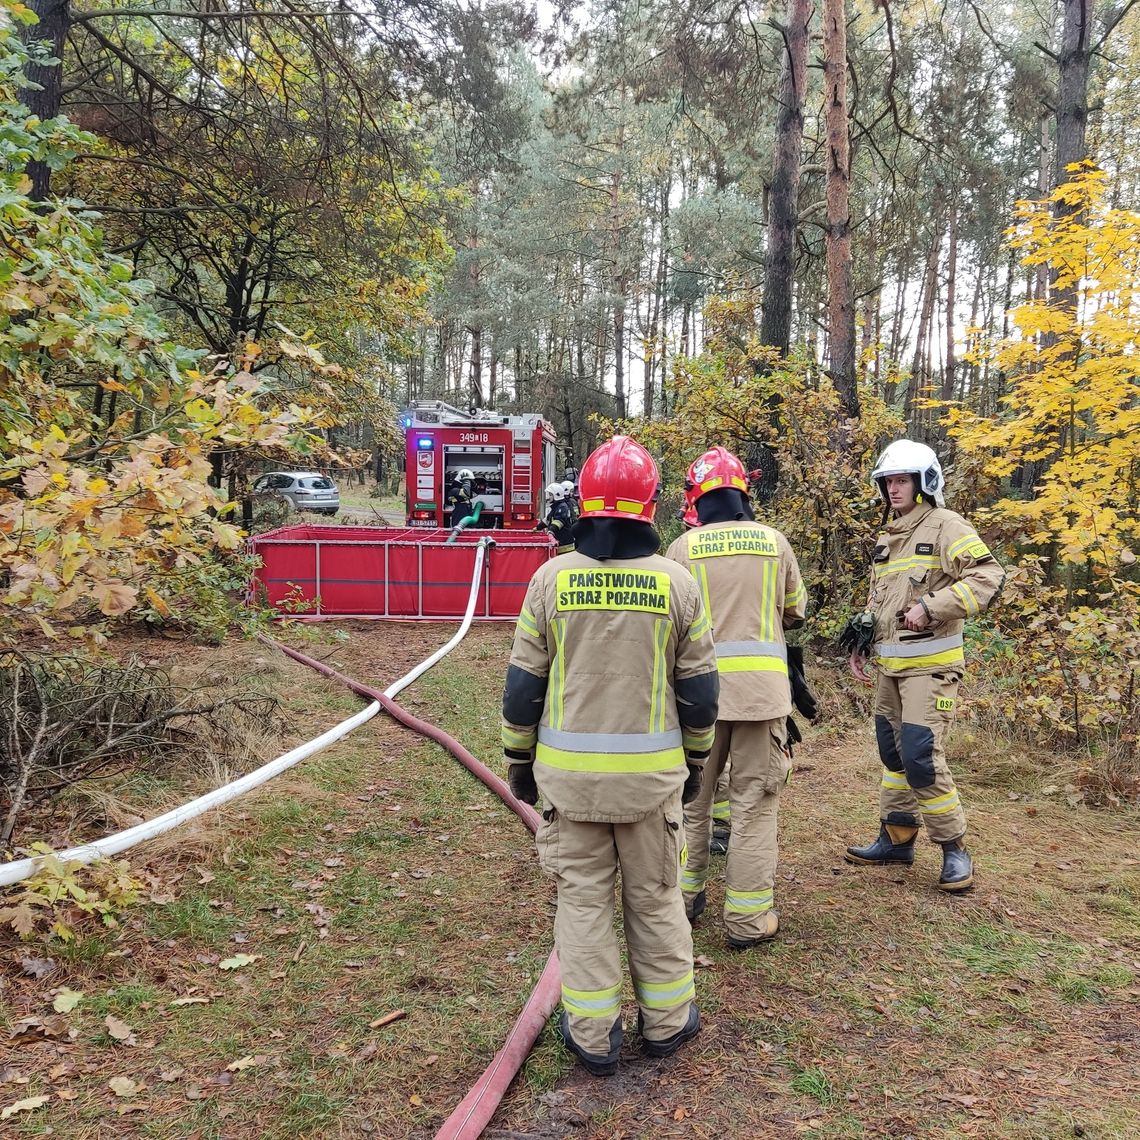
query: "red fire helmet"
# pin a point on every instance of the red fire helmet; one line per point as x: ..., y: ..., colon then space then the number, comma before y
x: 717, y: 468
x: 619, y: 480
x: 688, y: 513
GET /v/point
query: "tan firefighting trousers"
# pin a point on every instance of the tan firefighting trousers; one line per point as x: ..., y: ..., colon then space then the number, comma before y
x: 584, y: 858
x: 912, y: 715
x: 721, y: 807
x: 758, y: 770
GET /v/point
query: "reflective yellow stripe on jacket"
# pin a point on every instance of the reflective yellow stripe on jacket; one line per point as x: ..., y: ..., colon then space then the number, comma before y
x: 610, y: 751
x: 752, y: 657
x: 921, y: 653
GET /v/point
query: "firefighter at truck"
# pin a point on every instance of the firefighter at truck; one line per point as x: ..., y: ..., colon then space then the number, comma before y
x: 570, y: 492
x: 459, y: 496
x: 559, y: 517
x: 752, y: 590
x: 609, y: 711
x: 930, y: 572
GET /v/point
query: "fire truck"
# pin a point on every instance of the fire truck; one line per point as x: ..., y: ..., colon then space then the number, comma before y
x: 511, y: 458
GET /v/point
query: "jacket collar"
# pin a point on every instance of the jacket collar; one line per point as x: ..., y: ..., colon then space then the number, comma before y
x: 906, y: 523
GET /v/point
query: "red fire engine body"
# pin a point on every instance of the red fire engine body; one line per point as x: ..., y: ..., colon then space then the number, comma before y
x: 511, y: 459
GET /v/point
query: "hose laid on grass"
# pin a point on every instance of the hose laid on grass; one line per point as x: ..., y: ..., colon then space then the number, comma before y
x: 477, y: 1108
x: 20, y: 869
x: 481, y: 549
x: 475, y: 1111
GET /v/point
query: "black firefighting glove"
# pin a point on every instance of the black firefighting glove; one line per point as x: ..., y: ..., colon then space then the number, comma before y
x: 540, y: 525
x: 692, y: 787
x: 858, y: 634
x: 794, y: 736
x: 802, y: 697
x: 520, y: 777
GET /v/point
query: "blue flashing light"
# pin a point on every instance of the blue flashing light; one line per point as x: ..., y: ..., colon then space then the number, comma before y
x: 424, y: 443
x: 407, y: 421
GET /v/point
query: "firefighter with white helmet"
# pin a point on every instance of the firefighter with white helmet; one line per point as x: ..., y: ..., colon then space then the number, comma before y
x: 609, y: 710
x: 753, y: 592
x: 570, y: 493
x: 930, y: 573
x: 559, y: 517
x: 459, y: 496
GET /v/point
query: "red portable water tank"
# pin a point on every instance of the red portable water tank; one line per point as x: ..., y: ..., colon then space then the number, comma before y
x: 394, y: 572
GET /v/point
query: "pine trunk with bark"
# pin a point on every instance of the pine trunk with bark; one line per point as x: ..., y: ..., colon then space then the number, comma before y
x: 783, y: 198
x: 42, y: 98
x: 951, y: 285
x: 841, y: 301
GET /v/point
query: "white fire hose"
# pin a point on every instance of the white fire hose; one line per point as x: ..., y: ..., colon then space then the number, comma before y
x: 21, y: 869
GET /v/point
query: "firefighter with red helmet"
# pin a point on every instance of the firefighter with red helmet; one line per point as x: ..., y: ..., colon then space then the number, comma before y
x: 752, y: 590
x: 609, y: 711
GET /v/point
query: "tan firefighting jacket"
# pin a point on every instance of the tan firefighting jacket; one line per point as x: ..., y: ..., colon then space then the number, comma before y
x: 752, y: 590
x: 933, y: 555
x: 612, y: 681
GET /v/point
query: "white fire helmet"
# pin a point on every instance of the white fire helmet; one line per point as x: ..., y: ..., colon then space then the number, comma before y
x: 555, y: 493
x: 906, y: 457
x: 567, y: 488
x: 466, y: 475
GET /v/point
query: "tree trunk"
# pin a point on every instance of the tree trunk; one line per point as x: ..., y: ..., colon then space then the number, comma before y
x: 1072, y: 89
x: 783, y: 199
x: 951, y: 274
x: 655, y: 310
x: 55, y: 19
x: 841, y: 303
x: 1044, y: 169
x: 929, y: 290
x: 476, y: 367
x: 1072, y: 118
x: 621, y: 286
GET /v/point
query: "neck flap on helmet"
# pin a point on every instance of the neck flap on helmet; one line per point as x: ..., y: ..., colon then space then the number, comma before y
x: 726, y: 504
x: 605, y: 538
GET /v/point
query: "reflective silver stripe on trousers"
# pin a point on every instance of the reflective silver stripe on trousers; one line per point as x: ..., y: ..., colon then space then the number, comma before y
x: 752, y: 649
x: 624, y: 742
x: 918, y: 648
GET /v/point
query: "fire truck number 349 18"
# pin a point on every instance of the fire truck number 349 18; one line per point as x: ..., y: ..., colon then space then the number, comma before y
x: 473, y: 437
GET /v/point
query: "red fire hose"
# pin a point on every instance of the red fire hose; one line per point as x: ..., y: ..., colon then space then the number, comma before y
x: 474, y: 1112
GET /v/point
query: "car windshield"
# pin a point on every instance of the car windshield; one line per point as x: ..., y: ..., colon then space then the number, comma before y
x: 320, y: 483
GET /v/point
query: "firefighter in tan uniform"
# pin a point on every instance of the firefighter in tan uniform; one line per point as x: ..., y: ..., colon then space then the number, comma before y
x: 609, y: 710
x: 721, y: 810
x: 931, y: 571
x: 752, y: 590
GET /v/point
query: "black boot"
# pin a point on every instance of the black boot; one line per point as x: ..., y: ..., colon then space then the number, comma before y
x: 698, y: 907
x: 895, y: 845
x: 595, y: 1064
x: 957, y: 867
x: 670, y: 1045
x: 718, y: 844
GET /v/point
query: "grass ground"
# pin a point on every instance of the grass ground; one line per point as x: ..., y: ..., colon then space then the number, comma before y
x: 379, y: 877
x: 358, y: 504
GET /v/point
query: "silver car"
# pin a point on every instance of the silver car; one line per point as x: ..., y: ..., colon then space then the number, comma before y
x: 306, y: 490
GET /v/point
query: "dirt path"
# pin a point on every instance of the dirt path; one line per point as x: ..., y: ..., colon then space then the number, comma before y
x: 379, y: 877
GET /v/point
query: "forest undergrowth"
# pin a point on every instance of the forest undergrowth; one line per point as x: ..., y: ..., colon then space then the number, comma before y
x: 341, y: 953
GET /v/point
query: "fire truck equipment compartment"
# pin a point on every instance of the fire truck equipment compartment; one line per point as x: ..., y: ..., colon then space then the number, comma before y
x: 393, y: 572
